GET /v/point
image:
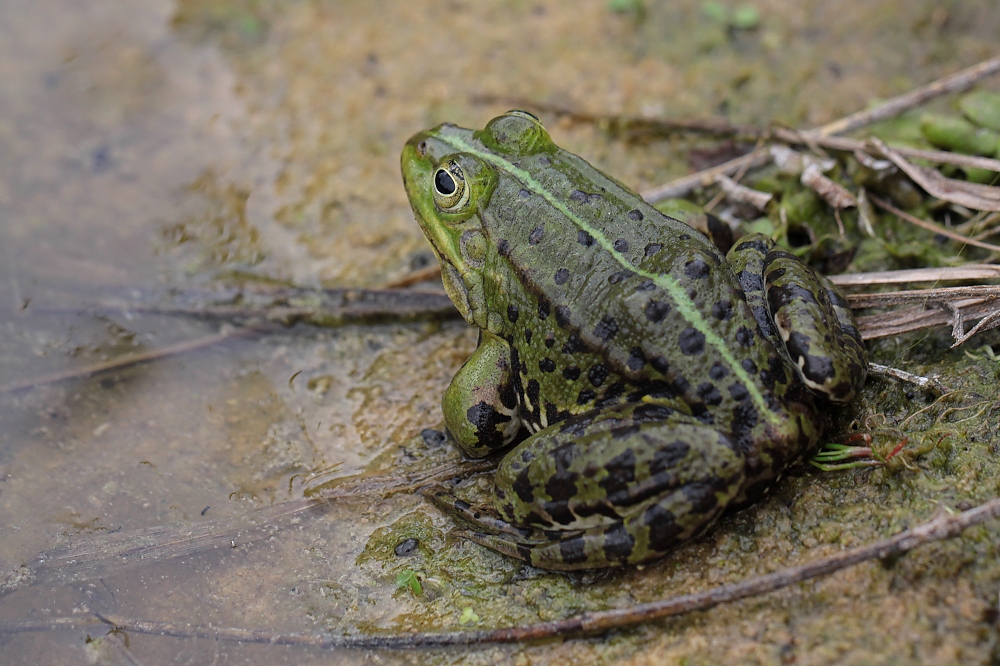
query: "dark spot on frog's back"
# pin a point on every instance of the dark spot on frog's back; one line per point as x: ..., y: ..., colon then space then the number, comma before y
x: 635, y: 215
x: 546, y: 365
x: 745, y: 418
x: 619, y: 276
x: 523, y: 193
x: 573, y: 344
x: 561, y: 276
x: 583, y: 197
x: 543, y: 308
x: 597, y: 374
x: 584, y: 239
x: 653, y: 248
x: 621, y: 245
x: 696, y: 269
x: 656, y: 311
x: 606, y: 328
x: 571, y: 373
x: 503, y: 247
x: 709, y: 393
x: 512, y: 313
x: 535, y: 237
x: 744, y: 336
x: 636, y: 360
x: 563, y: 315
x: 691, y: 341
x: 660, y: 364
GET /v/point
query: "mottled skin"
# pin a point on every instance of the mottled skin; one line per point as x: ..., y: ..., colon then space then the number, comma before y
x: 660, y: 381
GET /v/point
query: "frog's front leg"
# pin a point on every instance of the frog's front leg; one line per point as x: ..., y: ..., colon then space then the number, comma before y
x: 481, y: 405
x: 612, y: 487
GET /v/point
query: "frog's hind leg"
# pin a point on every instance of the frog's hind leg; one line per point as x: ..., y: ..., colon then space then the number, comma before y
x: 614, y: 486
x: 816, y: 327
x: 802, y: 314
x: 483, y: 519
x: 655, y: 531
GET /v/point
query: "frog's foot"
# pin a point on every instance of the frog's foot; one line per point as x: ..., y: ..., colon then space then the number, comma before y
x: 650, y: 534
x: 481, y: 518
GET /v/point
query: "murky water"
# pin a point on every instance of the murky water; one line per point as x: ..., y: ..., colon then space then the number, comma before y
x: 151, y: 148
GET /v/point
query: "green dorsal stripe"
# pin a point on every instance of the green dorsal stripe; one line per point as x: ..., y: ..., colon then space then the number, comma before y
x: 684, y: 304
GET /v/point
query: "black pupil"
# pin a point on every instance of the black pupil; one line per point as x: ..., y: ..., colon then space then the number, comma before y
x: 444, y: 183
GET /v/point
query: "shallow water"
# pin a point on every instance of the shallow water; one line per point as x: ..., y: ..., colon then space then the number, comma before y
x: 151, y: 148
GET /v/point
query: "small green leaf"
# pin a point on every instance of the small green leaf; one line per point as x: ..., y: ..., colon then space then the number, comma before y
x: 468, y: 616
x: 746, y: 17
x: 624, y: 6
x: 983, y: 108
x: 716, y: 11
x: 408, y: 579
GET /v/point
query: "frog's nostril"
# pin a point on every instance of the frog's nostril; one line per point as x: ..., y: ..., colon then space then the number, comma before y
x: 422, y: 148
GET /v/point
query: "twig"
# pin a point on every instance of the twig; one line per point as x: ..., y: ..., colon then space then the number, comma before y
x: 930, y: 226
x: 912, y: 319
x: 854, y: 145
x: 942, y: 526
x: 126, y: 361
x: 902, y: 375
x: 961, y: 192
x: 938, y: 295
x: 416, y: 277
x: 965, y: 272
x: 956, y: 82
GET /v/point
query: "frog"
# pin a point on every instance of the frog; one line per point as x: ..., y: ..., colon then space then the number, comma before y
x: 641, y: 381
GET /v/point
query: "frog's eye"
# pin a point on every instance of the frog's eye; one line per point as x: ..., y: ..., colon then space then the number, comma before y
x: 451, y: 192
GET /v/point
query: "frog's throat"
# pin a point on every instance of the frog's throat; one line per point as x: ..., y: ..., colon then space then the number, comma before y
x: 668, y: 283
x: 465, y: 289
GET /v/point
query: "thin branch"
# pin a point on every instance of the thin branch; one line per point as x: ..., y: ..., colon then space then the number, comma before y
x: 930, y: 226
x: 956, y: 82
x: 876, y: 369
x: 942, y: 526
x: 127, y: 361
x: 953, y: 83
x: 939, y: 295
x: 964, y: 272
x: 907, y: 320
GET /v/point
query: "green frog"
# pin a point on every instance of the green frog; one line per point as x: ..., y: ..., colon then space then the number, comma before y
x: 659, y: 381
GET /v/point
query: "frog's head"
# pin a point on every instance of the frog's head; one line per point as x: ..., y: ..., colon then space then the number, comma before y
x: 450, y: 175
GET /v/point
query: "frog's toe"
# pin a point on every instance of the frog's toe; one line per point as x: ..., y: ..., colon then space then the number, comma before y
x: 482, y: 518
